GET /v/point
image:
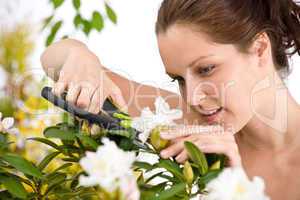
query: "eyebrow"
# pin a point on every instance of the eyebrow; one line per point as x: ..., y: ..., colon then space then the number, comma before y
x: 196, y: 60
x: 190, y: 65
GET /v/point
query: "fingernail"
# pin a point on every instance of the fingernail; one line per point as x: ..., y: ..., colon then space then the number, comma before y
x: 164, y: 154
x: 178, y: 159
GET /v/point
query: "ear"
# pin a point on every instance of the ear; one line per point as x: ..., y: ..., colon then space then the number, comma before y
x: 261, y: 48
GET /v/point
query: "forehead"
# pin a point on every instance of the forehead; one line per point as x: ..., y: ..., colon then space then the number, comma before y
x: 180, y: 45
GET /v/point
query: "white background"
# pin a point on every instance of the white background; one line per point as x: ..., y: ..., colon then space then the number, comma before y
x: 129, y: 47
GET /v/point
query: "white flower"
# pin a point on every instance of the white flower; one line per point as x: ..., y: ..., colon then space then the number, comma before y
x: 6, y: 125
x: 148, y: 120
x: 234, y: 184
x: 107, y: 167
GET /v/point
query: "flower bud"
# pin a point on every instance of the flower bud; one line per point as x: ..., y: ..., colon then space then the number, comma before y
x: 188, y: 172
x: 85, y: 127
x: 156, y: 141
x: 216, y: 165
x: 95, y: 129
x: 125, y: 123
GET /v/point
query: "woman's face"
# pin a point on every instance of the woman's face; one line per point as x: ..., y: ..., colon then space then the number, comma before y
x: 219, y: 72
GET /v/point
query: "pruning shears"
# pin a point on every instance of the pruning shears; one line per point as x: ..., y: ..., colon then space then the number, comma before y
x: 105, y: 118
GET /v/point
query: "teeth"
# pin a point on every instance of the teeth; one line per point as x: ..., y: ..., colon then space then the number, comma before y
x: 209, y: 112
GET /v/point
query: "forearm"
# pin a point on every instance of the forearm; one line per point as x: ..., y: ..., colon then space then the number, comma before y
x: 139, y: 96
x: 56, y: 55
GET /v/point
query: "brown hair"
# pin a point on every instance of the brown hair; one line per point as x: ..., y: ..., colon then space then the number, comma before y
x: 239, y: 22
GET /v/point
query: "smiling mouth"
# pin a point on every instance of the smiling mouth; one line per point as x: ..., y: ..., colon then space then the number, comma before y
x: 207, y: 113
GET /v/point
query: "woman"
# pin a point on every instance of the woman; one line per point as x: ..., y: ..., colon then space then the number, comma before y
x: 227, y: 57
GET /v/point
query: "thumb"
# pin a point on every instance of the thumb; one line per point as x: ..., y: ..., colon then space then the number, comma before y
x: 119, y: 100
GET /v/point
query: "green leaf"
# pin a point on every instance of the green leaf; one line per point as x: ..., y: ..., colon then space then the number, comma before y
x: 169, y: 178
x: 64, y: 166
x: 77, y: 20
x: 124, y: 133
x: 143, y: 165
x: 172, y: 167
x: 47, y: 160
x: 209, y: 176
x: 88, y: 141
x: 197, y: 157
x: 55, y: 132
x: 149, y: 191
x: 57, y: 178
x: 56, y: 27
x: 45, y: 141
x: 170, y: 193
x: 97, y: 21
x: 14, y: 186
x: 126, y: 123
x: 57, y: 3
x: 22, y: 165
x: 55, y: 181
x: 153, y: 177
x: 76, y: 4
x: 111, y: 14
x: 121, y: 116
x: 53, y: 32
x: 87, y: 27
x: 75, y: 160
x: 50, y: 39
x: 47, y: 21
x: 127, y: 144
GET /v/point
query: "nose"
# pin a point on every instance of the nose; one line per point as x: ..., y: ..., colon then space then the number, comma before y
x: 195, y: 98
x: 194, y: 91
x: 198, y: 98
x: 201, y: 94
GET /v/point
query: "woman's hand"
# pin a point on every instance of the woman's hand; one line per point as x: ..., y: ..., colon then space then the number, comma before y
x: 209, y: 139
x: 81, y: 75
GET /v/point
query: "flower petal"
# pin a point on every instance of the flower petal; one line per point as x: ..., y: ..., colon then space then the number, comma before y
x: 161, y: 106
x: 87, y: 181
x: 146, y: 112
x: 144, y: 136
x: 13, y: 131
x: 8, y: 122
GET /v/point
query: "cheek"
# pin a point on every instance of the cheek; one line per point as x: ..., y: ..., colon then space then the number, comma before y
x: 237, y: 100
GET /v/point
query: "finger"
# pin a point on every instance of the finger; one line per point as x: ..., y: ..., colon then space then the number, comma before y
x: 172, y: 150
x: 182, y: 157
x: 59, y: 88
x: 215, y: 138
x: 173, y: 141
x: 95, y: 105
x: 85, y: 97
x: 176, y: 148
x: 186, y: 130
x: 231, y: 151
x: 119, y: 100
x: 73, y: 93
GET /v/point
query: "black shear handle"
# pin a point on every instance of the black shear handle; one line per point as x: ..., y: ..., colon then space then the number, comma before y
x: 105, y: 121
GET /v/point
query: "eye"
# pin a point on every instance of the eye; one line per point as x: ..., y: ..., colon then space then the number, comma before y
x: 206, y: 70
